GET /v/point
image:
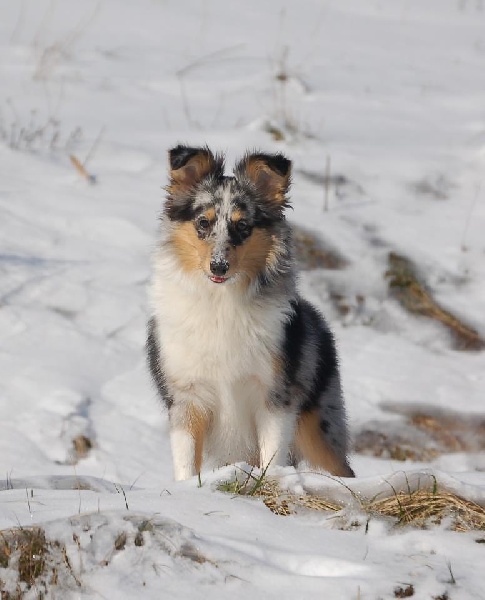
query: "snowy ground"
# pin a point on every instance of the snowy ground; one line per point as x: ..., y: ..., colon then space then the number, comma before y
x: 393, y: 95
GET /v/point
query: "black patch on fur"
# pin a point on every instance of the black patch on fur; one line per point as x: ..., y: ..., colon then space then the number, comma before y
x: 324, y: 425
x: 305, y: 324
x: 180, y: 155
x: 295, y: 335
x: 240, y: 203
x: 263, y: 280
x: 236, y: 237
x: 267, y: 215
x: 327, y: 363
x: 180, y: 210
x: 153, y: 357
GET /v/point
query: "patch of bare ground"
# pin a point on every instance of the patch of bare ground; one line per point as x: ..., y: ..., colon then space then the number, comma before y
x: 81, y: 446
x: 313, y: 253
x: 405, y: 285
x: 424, y: 435
x: 394, y: 445
x: 404, y: 592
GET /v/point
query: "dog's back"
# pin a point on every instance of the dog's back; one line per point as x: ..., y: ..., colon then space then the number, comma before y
x: 247, y: 369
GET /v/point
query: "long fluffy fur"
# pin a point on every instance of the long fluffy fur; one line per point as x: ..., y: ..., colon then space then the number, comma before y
x: 246, y: 368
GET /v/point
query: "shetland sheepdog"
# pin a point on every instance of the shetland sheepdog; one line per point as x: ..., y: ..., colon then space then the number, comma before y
x: 247, y: 369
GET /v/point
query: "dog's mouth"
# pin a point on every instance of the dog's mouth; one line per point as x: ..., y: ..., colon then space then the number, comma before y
x: 218, y: 279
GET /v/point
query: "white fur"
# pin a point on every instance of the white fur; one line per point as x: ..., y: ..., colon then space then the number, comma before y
x: 217, y: 343
x: 275, y: 433
x: 183, y: 451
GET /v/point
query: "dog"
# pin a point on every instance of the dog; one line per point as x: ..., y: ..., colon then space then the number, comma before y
x: 247, y: 369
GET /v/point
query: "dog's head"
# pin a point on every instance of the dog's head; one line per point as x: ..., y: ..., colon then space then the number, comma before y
x: 227, y: 227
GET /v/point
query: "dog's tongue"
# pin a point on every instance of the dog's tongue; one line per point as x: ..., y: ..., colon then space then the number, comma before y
x: 217, y: 279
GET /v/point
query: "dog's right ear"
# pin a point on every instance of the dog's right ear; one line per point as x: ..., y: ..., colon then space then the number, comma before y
x: 188, y: 166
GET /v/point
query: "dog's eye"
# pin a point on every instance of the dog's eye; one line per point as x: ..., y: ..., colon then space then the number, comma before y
x: 242, y: 226
x: 203, y: 223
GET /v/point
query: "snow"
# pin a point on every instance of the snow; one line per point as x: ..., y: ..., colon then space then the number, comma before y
x: 393, y: 94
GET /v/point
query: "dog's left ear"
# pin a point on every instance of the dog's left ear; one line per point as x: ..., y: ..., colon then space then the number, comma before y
x: 270, y: 174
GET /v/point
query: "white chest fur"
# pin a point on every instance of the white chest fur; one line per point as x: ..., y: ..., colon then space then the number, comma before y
x: 215, y: 333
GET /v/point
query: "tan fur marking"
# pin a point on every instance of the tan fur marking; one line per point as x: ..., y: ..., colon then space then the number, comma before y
x: 273, y: 185
x: 210, y: 214
x: 273, y: 253
x: 236, y: 215
x: 191, y: 251
x: 311, y: 444
x: 197, y: 423
x: 253, y: 254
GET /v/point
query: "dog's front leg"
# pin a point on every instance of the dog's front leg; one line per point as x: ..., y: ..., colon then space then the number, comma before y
x: 188, y: 426
x: 275, y: 429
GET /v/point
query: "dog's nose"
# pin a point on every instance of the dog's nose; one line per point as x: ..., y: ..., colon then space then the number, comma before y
x: 219, y: 267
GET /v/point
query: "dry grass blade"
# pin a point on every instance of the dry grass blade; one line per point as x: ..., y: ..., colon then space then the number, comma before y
x: 423, y: 507
x: 415, y: 298
x: 81, y: 169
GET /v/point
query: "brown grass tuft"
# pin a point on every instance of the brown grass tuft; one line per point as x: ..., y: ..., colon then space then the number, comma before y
x: 37, y: 561
x: 26, y: 550
x: 278, y: 501
x: 421, y: 508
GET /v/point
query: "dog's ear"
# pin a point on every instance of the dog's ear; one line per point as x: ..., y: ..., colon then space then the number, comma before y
x: 188, y: 166
x: 270, y: 174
